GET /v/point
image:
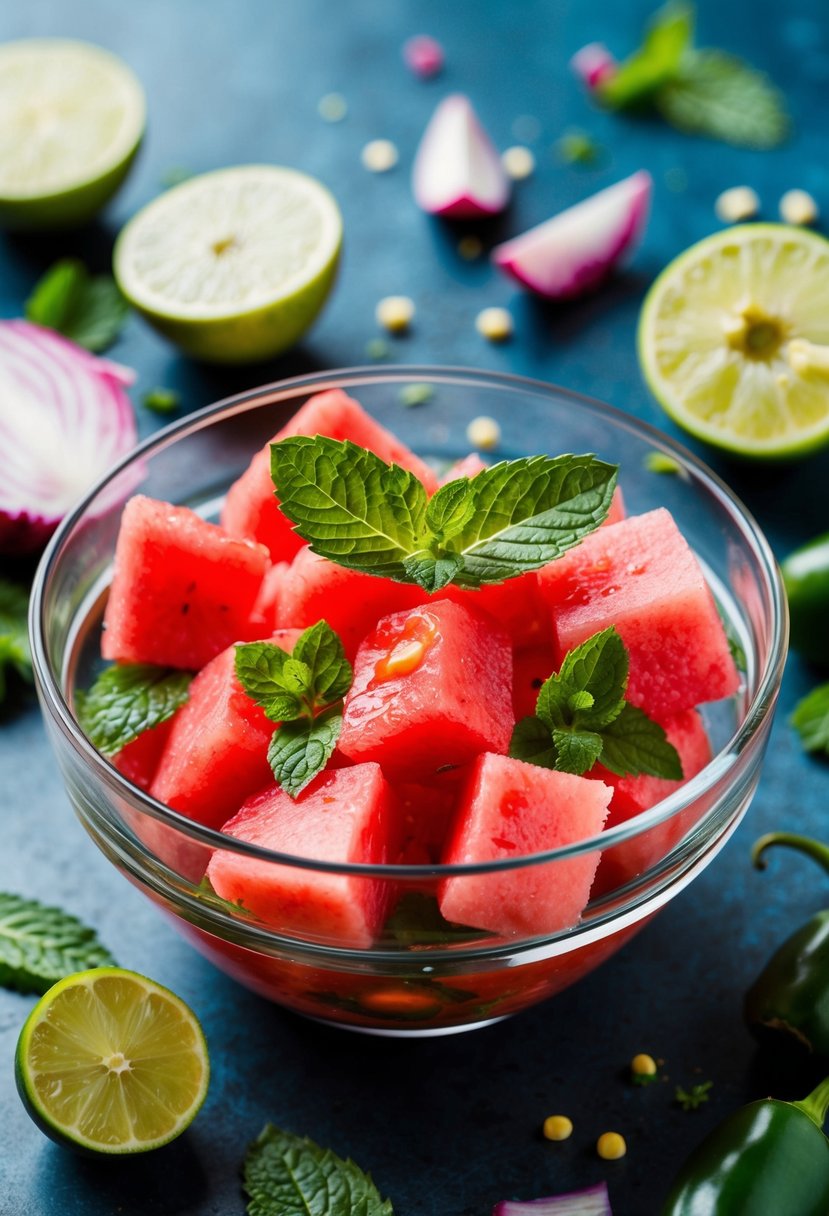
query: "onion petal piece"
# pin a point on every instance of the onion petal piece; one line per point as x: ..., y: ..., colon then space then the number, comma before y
x: 64, y: 419
x: 594, y: 1201
x: 575, y: 250
x: 457, y: 170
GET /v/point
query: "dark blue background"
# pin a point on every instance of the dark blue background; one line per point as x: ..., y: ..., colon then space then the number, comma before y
x: 447, y: 1126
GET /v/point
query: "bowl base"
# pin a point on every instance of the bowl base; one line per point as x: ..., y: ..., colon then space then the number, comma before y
x: 428, y: 1032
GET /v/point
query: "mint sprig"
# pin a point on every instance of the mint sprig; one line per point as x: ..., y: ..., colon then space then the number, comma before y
x: 128, y: 699
x: 303, y: 692
x: 14, y: 634
x: 582, y: 718
x: 39, y: 945
x: 88, y: 309
x: 811, y: 720
x: 356, y: 510
x: 288, y: 1175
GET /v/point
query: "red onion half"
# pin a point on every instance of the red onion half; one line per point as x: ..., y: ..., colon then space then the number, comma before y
x: 593, y: 1201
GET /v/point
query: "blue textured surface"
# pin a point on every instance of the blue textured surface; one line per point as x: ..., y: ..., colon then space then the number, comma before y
x: 448, y: 1126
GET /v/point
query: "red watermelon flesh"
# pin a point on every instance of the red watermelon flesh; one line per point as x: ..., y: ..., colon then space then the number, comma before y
x: 616, y: 512
x: 342, y: 816
x: 531, y: 667
x: 632, y: 795
x: 182, y: 589
x: 468, y: 466
x: 516, y: 605
x: 424, y: 814
x: 432, y: 687
x: 352, y: 603
x: 510, y: 809
x: 251, y: 509
x: 138, y: 761
x: 217, y: 753
x: 266, y: 608
x: 641, y: 576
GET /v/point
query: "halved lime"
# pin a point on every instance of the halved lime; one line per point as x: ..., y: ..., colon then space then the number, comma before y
x: 71, y: 119
x: 110, y: 1062
x: 734, y: 340
x: 233, y: 265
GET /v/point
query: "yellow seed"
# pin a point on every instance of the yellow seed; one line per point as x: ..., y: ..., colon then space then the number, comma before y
x: 395, y: 313
x: 643, y: 1065
x: 333, y: 107
x: 518, y: 162
x: 470, y: 247
x: 798, y: 207
x: 484, y: 433
x: 494, y: 324
x: 557, y: 1127
x: 611, y: 1146
x: 379, y: 155
x: 738, y: 203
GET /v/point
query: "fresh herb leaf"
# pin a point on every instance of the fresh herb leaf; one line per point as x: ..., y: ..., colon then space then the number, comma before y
x: 40, y: 945
x: 693, y: 1098
x: 532, y: 742
x: 718, y: 95
x: 661, y: 462
x: 14, y: 634
x: 208, y: 895
x: 599, y: 667
x: 292, y: 686
x: 576, y: 750
x: 89, y: 310
x: 162, y: 400
x: 301, y: 748
x: 288, y: 1175
x: 633, y: 744
x: 811, y: 720
x: 128, y: 699
x: 450, y: 509
x: 321, y: 649
x: 578, y: 148
x: 417, y: 921
x: 655, y: 63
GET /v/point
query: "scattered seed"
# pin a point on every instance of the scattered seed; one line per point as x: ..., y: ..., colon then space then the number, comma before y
x: 660, y: 462
x: 484, y: 433
x: 162, y: 400
x: 494, y: 324
x: 379, y: 155
x: 333, y: 107
x: 643, y: 1069
x: 577, y: 148
x: 470, y: 247
x: 423, y: 55
x: 557, y: 1127
x: 518, y: 162
x: 526, y: 128
x: 611, y: 1146
x: 416, y: 394
x: 377, y: 348
x: 738, y: 203
x: 395, y: 313
x: 676, y: 179
x: 798, y: 207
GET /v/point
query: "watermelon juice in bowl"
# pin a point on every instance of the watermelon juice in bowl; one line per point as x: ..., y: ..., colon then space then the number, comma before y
x: 432, y: 876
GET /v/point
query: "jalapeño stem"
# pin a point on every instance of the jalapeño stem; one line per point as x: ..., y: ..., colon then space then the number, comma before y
x: 817, y: 1104
x: 803, y: 844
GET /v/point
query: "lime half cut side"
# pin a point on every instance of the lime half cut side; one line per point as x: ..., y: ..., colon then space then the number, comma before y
x: 734, y: 340
x: 111, y: 1062
x: 71, y: 118
x: 233, y: 265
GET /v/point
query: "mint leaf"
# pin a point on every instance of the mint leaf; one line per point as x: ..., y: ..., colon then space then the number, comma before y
x: 655, y: 63
x: 294, y: 686
x: 162, y: 400
x: 718, y: 95
x: 599, y: 666
x: 576, y: 751
x: 300, y: 749
x: 633, y: 745
x: 127, y: 700
x: 288, y: 1175
x: 417, y: 921
x: 432, y: 572
x: 260, y: 670
x: 532, y: 742
x: 811, y: 720
x: 90, y: 311
x: 321, y: 650
x: 40, y: 945
x: 450, y: 508
x: 14, y: 633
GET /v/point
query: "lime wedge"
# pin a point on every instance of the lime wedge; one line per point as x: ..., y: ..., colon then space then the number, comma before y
x: 234, y: 265
x: 71, y: 119
x: 111, y: 1062
x: 734, y: 340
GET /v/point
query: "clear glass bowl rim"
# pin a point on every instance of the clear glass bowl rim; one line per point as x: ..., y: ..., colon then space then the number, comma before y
x: 757, y: 712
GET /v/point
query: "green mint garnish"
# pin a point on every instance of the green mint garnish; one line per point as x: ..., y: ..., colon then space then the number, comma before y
x: 162, y: 400
x: 704, y: 92
x: 89, y: 310
x: 14, y: 634
x: 582, y: 718
x: 128, y: 699
x: 287, y: 1175
x: 303, y: 691
x: 578, y: 148
x: 811, y: 720
x: 693, y: 1098
x: 412, y: 395
x: 661, y: 462
x: 40, y: 945
x: 362, y: 513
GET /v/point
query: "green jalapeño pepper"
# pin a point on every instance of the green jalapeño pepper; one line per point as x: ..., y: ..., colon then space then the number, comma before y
x: 770, y: 1158
x: 791, y: 994
x: 806, y: 579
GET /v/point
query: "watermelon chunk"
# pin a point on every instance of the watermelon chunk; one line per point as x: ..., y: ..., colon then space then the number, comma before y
x: 342, y: 816
x: 139, y: 760
x: 517, y: 606
x: 217, y: 752
x: 531, y: 667
x: 616, y: 512
x: 432, y: 687
x: 182, y: 589
x: 266, y: 608
x: 251, y: 508
x: 509, y: 809
x: 424, y: 814
x: 467, y: 466
x: 641, y: 576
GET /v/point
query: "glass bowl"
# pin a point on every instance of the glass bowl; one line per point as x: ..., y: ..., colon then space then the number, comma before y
x: 420, y: 976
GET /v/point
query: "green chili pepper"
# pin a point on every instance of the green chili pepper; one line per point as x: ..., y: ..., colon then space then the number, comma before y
x: 806, y: 579
x: 770, y: 1158
x: 791, y: 994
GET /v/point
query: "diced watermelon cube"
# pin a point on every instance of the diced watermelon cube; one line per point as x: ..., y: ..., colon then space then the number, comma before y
x: 217, y: 753
x: 424, y: 815
x: 510, y: 809
x: 251, y: 508
x: 182, y: 589
x: 432, y: 687
x: 342, y: 816
x: 266, y: 608
x: 468, y: 466
x: 531, y: 667
x: 139, y: 760
x: 616, y: 512
x: 516, y: 605
x: 641, y: 576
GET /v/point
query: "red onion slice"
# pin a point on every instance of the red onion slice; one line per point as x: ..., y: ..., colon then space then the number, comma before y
x: 594, y: 1201
x: 457, y: 171
x: 64, y: 420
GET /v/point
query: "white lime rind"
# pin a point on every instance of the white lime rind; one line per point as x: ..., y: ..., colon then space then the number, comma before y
x: 733, y: 338
x: 71, y: 119
x: 233, y: 265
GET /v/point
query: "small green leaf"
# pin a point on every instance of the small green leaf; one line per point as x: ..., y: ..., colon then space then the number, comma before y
x: 432, y: 572
x: 578, y: 148
x: 90, y: 311
x: 450, y: 508
x: 128, y: 699
x: 532, y: 742
x: 634, y: 744
x: 693, y: 1098
x: 417, y: 921
x: 162, y: 400
x: 661, y: 462
x: 39, y: 945
x: 667, y: 38
x: 320, y: 649
x: 260, y: 670
x: 288, y: 1175
x: 576, y: 750
x: 301, y: 749
x: 598, y: 666
x: 14, y: 634
x: 718, y: 95
x: 811, y: 720
x: 297, y: 675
